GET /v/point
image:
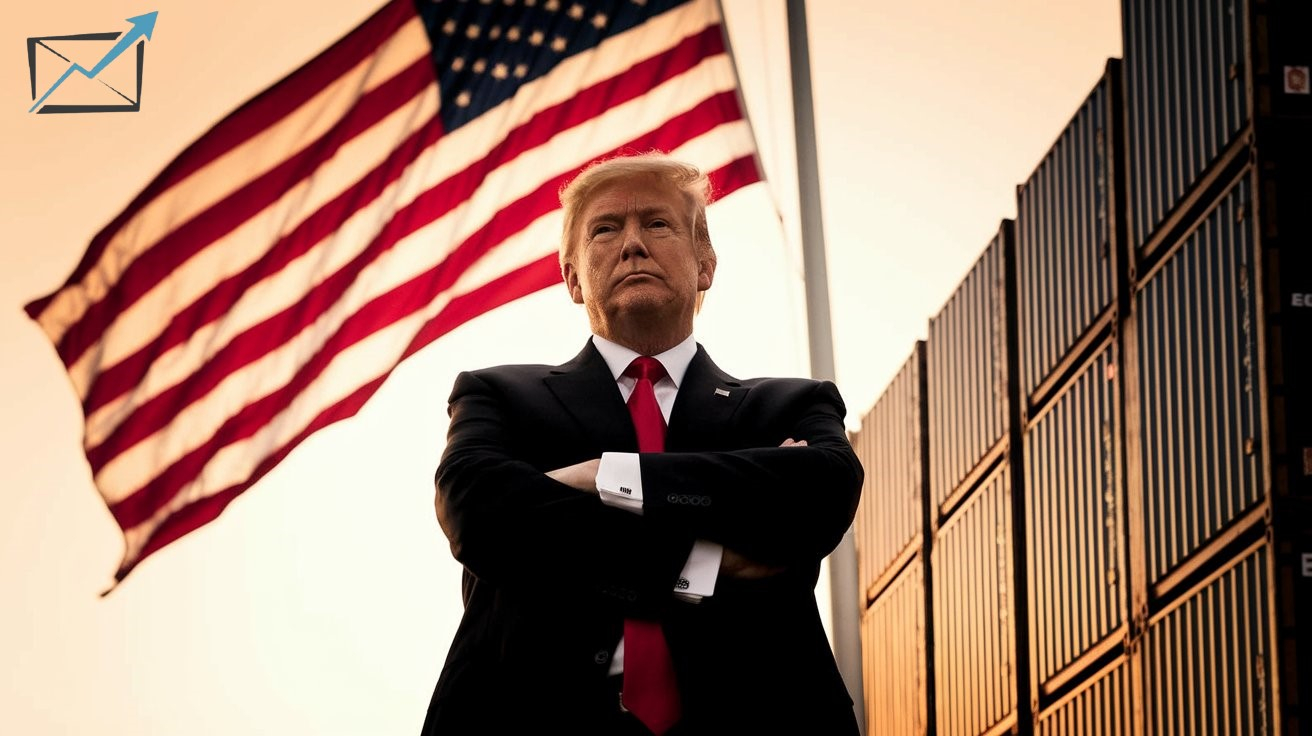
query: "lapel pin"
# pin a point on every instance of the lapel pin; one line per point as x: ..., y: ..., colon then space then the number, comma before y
x: 721, y: 392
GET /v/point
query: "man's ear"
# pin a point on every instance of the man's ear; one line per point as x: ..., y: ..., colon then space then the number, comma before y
x: 572, y: 282
x: 705, y: 273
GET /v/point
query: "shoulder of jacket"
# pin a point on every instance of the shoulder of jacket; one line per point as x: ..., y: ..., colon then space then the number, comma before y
x: 783, y: 384
x: 514, y: 371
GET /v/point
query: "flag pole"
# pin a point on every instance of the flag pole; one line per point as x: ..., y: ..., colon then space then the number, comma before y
x: 842, y: 562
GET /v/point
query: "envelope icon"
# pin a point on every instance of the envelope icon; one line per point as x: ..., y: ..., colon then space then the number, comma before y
x: 89, y: 72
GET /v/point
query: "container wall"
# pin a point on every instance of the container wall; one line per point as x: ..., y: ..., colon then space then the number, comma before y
x: 1073, y: 502
x: 966, y: 359
x: 1064, y: 251
x: 974, y: 641
x: 1185, y: 98
x: 893, y: 640
x: 1102, y: 706
x: 1207, y: 669
x: 890, y: 516
x: 1198, y: 387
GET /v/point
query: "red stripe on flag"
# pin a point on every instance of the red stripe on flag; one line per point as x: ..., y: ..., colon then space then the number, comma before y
x: 127, y: 374
x: 734, y: 176
x: 252, y: 118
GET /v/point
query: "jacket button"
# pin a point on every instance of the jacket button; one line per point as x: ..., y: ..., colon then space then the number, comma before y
x: 672, y: 498
x: 601, y: 657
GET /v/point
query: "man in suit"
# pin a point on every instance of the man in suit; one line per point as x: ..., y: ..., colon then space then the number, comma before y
x: 641, y: 539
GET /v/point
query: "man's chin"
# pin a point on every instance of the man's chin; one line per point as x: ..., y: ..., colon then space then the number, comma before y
x: 648, y: 304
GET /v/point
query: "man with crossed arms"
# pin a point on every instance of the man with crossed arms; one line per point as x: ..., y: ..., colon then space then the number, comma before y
x: 641, y: 532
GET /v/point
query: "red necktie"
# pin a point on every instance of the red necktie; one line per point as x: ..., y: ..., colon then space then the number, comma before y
x: 650, y: 691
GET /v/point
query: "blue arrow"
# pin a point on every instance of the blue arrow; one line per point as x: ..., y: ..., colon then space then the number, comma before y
x: 142, y: 25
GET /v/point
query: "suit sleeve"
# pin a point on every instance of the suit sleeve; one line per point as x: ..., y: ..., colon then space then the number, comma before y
x: 776, y: 505
x: 510, y: 524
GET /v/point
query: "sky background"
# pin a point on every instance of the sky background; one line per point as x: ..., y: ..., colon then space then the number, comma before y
x: 323, y: 600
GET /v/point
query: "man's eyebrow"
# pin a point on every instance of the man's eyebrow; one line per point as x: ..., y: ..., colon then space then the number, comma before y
x: 617, y: 214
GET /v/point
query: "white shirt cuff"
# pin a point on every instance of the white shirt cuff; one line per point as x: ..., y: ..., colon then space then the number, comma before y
x: 700, y: 572
x: 619, y: 481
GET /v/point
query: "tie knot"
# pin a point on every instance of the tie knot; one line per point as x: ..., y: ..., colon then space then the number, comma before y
x: 645, y: 366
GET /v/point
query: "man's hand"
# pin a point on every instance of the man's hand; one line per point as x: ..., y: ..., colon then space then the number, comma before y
x: 735, y: 565
x: 582, y: 476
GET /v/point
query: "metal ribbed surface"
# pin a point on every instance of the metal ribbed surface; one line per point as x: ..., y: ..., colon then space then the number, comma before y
x: 1063, y: 248
x: 1075, y: 521
x: 974, y: 643
x: 893, y: 650
x: 1101, y: 707
x: 1198, y: 388
x: 1185, y: 97
x: 890, y: 516
x: 966, y: 357
x: 1206, y: 663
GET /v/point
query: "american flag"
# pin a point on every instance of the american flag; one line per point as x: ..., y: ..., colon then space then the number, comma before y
x: 400, y: 183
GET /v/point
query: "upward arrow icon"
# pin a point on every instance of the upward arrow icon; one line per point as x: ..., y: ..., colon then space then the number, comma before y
x: 142, y: 25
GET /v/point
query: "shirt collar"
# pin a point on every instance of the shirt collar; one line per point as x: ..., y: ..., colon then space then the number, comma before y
x: 676, y: 360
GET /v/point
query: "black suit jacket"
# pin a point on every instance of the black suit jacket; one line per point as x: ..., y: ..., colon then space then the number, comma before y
x: 551, y: 572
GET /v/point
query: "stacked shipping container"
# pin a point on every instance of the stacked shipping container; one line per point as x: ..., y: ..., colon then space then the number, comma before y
x: 891, y: 569
x: 970, y: 354
x: 1115, y: 469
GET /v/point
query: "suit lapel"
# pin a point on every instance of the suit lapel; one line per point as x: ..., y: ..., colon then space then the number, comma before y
x: 706, y: 401
x: 586, y: 390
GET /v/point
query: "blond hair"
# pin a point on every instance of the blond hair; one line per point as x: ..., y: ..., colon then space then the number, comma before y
x: 688, y: 179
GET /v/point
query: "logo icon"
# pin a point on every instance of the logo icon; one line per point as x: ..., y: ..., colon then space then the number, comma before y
x: 90, y: 78
x: 1296, y: 80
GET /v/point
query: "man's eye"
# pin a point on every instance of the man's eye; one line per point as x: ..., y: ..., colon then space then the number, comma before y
x: 602, y: 230
x: 658, y: 223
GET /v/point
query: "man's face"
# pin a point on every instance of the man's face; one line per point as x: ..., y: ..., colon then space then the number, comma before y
x: 635, y: 254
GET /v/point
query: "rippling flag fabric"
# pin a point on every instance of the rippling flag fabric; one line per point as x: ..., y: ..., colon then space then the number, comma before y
x: 398, y: 184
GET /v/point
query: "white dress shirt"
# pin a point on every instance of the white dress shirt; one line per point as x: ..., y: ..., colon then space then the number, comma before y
x: 619, y: 475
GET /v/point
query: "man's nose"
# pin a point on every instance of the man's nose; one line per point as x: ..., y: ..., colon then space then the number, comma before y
x: 634, y: 245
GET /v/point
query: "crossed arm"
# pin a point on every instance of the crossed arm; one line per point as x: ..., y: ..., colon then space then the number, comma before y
x: 771, y: 507
x: 583, y: 477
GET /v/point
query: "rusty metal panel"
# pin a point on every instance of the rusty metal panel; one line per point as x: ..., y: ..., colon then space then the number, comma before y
x: 1207, y: 662
x: 1064, y: 248
x: 1075, y: 520
x: 1102, y: 706
x: 893, y: 639
x: 1186, y: 98
x: 974, y: 632
x: 1198, y: 387
x: 967, y: 371
x: 891, y: 447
